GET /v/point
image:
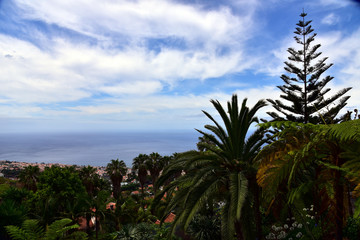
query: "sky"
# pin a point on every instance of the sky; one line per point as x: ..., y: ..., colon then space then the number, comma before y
x: 90, y: 65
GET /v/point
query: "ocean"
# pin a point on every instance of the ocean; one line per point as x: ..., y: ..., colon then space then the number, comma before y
x: 96, y: 149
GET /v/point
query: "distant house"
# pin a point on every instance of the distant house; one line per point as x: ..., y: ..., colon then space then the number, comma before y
x: 169, y: 219
x: 111, y: 206
x: 82, y: 222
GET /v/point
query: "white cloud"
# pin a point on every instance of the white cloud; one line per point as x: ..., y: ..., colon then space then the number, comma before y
x: 141, y: 19
x: 138, y: 87
x: 339, y: 3
x: 19, y: 110
x: 123, y: 63
x: 330, y: 19
x: 64, y: 70
x: 31, y: 75
x: 344, y: 52
x: 327, y: 4
x: 164, y: 107
x: 70, y: 72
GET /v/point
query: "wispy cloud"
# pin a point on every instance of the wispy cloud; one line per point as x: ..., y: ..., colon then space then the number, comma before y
x: 137, y: 20
x: 330, y: 19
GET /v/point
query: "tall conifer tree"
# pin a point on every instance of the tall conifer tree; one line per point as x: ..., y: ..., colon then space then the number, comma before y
x: 304, y: 87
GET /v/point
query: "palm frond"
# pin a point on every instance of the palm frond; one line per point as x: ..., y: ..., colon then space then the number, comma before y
x: 345, y: 131
x: 30, y: 230
x: 58, y: 228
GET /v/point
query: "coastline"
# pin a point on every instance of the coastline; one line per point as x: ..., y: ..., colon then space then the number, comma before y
x: 18, y: 166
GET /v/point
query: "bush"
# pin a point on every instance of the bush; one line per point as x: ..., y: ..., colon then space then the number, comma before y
x: 352, y: 228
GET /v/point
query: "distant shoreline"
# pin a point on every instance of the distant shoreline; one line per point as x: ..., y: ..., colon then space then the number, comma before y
x: 15, y: 165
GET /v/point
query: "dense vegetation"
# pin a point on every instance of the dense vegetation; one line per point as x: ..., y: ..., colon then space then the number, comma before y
x: 76, y: 203
x: 296, y: 176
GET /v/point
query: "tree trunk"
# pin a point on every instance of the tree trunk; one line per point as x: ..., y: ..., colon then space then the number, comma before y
x: 88, y: 219
x: 339, y: 199
x: 258, y: 221
x: 97, y: 227
x: 238, y: 231
x: 349, y: 197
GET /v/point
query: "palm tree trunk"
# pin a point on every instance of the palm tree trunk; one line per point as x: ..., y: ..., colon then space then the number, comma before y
x: 142, y: 190
x: 339, y: 194
x: 339, y: 211
x: 258, y: 221
x: 349, y: 197
x: 238, y: 231
x: 97, y: 227
x: 88, y: 219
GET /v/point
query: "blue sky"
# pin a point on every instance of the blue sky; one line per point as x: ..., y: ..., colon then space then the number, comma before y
x: 155, y: 64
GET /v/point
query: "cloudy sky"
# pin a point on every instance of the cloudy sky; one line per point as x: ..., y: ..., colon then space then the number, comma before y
x: 155, y: 64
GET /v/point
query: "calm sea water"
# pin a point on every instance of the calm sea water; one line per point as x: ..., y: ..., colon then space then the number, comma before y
x: 96, y: 149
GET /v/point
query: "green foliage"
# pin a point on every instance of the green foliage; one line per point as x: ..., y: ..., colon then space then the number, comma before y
x: 29, y: 230
x: 221, y: 174
x: 141, y: 231
x: 155, y: 164
x: 141, y: 168
x: 11, y: 173
x: 116, y: 170
x: 18, y: 195
x: 357, y: 208
x: 131, y: 211
x: 11, y: 213
x: 346, y: 131
x: 5, y: 184
x: 3, y: 188
x: 57, y: 189
x: 2, y: 180
x: 205, y: 227
x: 130, y: 187
x: 60, y: 183
x: 29, y: 177
x: 304, y: 225
x: 316, y: 162
x: 134, y: 232
x: 59, y: 229
x: 352, y: 228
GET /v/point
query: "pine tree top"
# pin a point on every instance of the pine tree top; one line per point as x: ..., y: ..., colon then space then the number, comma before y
x: 304, y: 87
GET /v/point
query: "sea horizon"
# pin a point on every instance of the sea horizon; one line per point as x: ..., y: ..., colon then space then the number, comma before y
x: 95, y: 148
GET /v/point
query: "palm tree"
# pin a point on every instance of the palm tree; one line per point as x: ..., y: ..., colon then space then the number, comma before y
x: 223, y: 175
x: 30, y: 176
x: 88, y: 177
x: 116, y: 170
x: 98, y: 208
x: 93, y: 185
x: 154, y: 164
x: 140, y: 166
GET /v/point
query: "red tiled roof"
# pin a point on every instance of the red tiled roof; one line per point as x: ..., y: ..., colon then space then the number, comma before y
x: 170, y: 218
x: 111, y: 205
